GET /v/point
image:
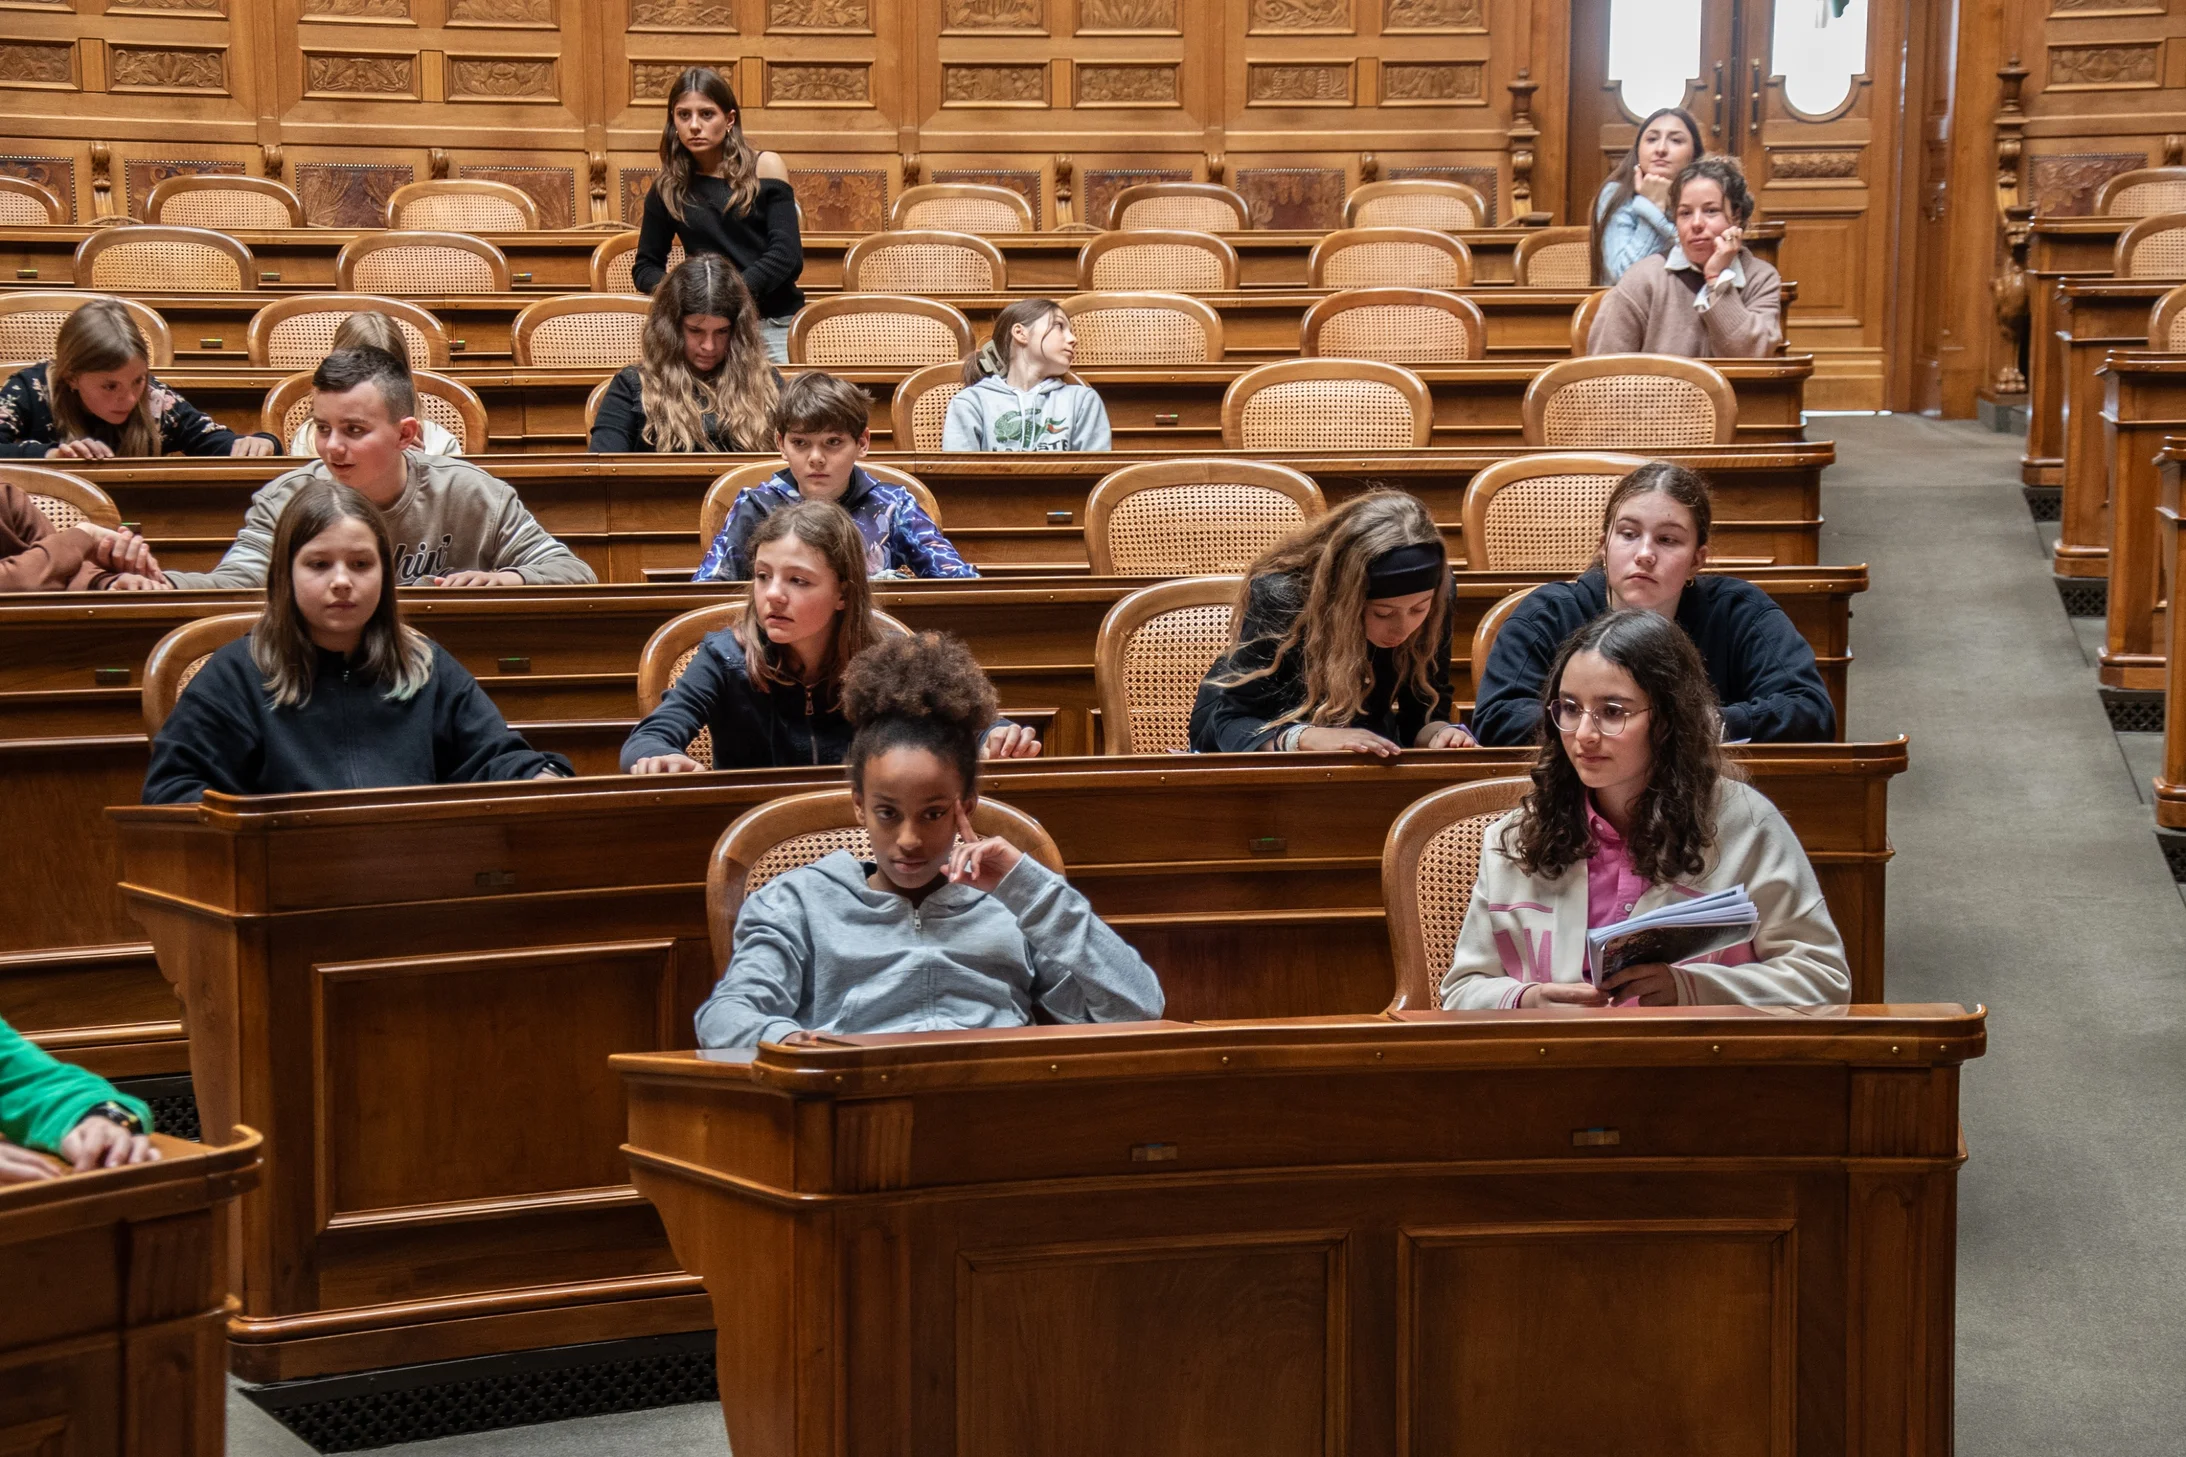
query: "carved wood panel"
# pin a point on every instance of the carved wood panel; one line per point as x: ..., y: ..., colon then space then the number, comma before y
x: 349, y: 194
x: 553, y: 188
x: 56, y: 175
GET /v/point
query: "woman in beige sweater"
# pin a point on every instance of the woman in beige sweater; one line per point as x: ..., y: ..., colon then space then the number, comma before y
x: 1708, y: 297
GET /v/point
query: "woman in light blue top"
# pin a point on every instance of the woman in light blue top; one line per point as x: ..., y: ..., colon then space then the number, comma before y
x: 1632, y: 214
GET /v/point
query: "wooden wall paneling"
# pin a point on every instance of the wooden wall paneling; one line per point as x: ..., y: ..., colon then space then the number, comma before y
x: 131, y: 71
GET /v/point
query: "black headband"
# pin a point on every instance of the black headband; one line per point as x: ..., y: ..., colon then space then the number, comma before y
x: 1404, y: 570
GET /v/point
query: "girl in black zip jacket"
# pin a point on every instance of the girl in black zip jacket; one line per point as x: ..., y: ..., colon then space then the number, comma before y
x: 330, y: 690
x: 766, y: 693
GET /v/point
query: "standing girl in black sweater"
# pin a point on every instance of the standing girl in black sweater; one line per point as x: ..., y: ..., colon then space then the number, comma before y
x: 719, y: 196
x: 331, y: 690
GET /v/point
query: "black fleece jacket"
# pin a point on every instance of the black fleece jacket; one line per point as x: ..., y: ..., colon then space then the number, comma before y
x: 1233, y: 720
x: 225, y: 734
x: 762, y: 240
x: 1763, y: 671
x: 756, y: 725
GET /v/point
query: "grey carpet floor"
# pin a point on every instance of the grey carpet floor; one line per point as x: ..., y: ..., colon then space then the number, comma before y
x: 2027, y: 878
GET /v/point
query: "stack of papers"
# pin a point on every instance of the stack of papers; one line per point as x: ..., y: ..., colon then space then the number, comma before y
x: 1673, y: 933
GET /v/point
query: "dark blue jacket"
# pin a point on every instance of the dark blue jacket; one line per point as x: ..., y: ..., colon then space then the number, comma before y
x: 1763, y: 671
x: 225, y: 734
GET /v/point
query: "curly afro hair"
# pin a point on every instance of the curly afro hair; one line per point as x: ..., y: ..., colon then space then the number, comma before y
x: 924, y: 691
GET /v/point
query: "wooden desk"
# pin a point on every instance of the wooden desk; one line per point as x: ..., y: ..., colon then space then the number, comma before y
x: 1170, y: 408
x: 560, y: 663
x: 1328, y: 1236
x: 2096, y: 316
x: 211, y: 328
x: 2171, y: 552
x: 628, y: 514
x: 416, y: 991
x: 2144, y: 404
x: 117, y: 1283
x: 560, y: 262
x: 2058, y: 249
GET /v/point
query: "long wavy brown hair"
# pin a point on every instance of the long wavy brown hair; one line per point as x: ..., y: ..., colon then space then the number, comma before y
x: 1320, y: 569
x: 829, y: 530
x: 1626, y: 179
x: 97, y: 337
x: 677, y: 165
x: 738, y: 393
x: 393, y: 653
x: 1673, y: 825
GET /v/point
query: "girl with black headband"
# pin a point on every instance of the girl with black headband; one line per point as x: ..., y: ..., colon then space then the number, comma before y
x: 1343, y: 640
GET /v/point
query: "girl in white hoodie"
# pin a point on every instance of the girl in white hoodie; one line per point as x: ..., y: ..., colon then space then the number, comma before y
x: 1017, y: 394
x: 942, y: 929
x: 1634, y: 808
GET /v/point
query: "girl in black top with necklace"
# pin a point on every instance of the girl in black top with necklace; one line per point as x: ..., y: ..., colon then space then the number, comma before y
x: 719, y: 196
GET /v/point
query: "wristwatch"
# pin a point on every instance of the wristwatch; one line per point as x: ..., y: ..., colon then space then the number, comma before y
x: 114, y: 1112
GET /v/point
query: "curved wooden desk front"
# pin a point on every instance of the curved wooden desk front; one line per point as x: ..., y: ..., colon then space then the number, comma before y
x: 1647, y: 1231
x: 113, y: 1320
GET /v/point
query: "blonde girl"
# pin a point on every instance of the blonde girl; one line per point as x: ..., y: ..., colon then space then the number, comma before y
x: 1017, y: 393
x: 1342, y: 640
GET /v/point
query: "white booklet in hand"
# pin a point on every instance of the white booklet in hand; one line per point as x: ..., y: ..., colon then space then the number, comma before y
x: 1673, y: 933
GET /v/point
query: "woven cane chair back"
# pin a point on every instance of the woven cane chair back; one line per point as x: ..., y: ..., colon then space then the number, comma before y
x: 296, y: 333
x: 879, y: 331
x: 924, y: 263
x: 1582, y: 320
x: 30, y: 325
x: 1157, y: 262
x: 2167, y: 322
x: 962, y: 207
x: 1540, y: 513
x: 218, y: 200
x: 24, y: 204
x: 1197, y: 207
x: 1554, y: 258
x: 1193, y: 518
x: 180, y: 655
x: 1630, y: 402
x: 420, y: 263
x: 1416, y: 202
x: 613, y: 260
x: 919, y: 413
x: 64, y: 499
x: 581, y: 331
x: 1154, y: 650
x: 1327, y: 404
x: 1389, y: 257
x: 1399, y: 325
x: 147, y: 259
x: 2142, y: 192
x: 1429, y: 862
x: 1143, y: 328
x: 462, y: 205
x: 2154, y: 247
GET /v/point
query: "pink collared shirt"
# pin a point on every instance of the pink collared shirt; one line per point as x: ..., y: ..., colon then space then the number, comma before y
x: 1613, y: 887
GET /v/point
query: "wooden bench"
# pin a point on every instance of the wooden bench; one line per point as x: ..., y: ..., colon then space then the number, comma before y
x: 1167, y: 407
x: 627, y: 515
x: 560, y: 262
x: 414, y: 994
x: 2058, y: 249
x: 2171, y: 552
x: 2144, y: 405
x: 112, y: 1332
x: 1307, y: 1236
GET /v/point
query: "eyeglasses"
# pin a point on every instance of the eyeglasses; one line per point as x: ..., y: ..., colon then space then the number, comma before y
x: 1570, y: 717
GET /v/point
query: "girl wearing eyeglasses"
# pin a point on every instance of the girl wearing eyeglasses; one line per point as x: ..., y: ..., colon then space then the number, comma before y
x: 1633, y: 808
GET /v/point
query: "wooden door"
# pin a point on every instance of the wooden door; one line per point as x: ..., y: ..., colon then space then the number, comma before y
x: 1811, y: 111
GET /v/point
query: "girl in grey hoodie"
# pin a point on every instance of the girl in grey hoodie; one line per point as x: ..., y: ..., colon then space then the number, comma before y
x: 940, y: 930
x: 1017, y: 395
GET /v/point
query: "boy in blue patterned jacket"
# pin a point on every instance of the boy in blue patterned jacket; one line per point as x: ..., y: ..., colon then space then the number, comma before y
x: 820, y: 423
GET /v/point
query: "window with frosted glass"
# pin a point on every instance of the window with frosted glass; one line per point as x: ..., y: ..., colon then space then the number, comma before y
x: 1819, y: 51
x: 1654, y: 51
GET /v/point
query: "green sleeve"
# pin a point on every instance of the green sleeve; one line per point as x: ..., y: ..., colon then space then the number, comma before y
x: 42, y: 1098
